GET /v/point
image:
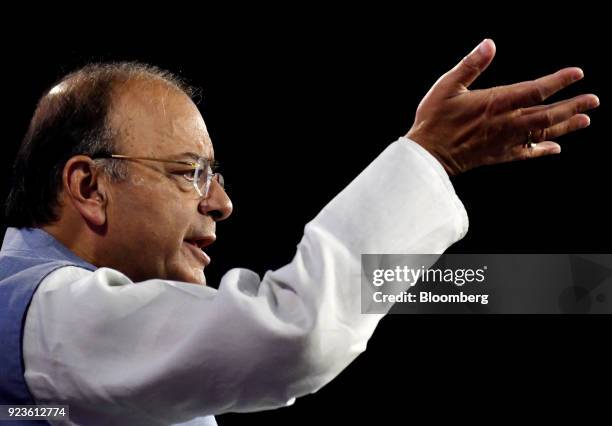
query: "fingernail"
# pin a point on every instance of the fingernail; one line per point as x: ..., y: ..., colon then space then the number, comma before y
x: 555, y: 150
x: 595, y: 101
x: 587, y: 122
x: 484, y: 47
x: 579, y: 75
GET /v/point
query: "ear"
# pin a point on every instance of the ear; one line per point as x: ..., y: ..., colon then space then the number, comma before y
x: 85, y: 189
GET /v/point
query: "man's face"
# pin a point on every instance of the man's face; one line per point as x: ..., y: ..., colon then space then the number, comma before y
x: 156, y: 221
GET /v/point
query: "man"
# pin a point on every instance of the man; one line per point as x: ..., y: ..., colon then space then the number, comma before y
x: 115, y: 198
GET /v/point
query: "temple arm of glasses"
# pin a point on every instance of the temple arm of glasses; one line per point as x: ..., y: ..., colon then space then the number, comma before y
x: 128, y: 157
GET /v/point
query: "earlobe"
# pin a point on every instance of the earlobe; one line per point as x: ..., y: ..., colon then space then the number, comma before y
x: 85, y: 189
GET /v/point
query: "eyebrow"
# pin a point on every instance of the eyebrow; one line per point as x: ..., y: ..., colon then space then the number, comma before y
x: 194, y: 156
x: 213, y: 163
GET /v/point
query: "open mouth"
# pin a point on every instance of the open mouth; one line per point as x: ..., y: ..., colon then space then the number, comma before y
x: 195, y: 248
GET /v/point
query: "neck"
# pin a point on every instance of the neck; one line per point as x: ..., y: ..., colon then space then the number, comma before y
x: 78, y: 239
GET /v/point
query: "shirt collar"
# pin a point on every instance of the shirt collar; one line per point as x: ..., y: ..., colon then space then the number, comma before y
x: 39, y: 244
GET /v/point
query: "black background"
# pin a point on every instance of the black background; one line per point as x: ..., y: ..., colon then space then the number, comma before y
x: 298, y: 102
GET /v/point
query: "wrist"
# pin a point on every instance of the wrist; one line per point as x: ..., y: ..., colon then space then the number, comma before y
x: 448, y: 164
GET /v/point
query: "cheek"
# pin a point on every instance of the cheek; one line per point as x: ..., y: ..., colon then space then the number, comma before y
x: 172, y: 223
x: 148, y: 225
x: 156, y: 218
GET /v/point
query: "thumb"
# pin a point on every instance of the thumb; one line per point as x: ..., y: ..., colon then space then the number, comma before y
x: 470, y: 67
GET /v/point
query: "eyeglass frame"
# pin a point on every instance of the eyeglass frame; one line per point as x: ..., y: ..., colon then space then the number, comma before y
x: 195, y: 166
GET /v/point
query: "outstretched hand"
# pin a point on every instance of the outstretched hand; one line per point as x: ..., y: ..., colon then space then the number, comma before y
x: 465, y: 128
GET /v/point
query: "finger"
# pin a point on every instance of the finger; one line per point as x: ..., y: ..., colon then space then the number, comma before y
x: 529, y: 93
x: 557, y: 113
x: 541, y: 149
x: 465, y: 72
x: 538, y: 108
x: 577, y: 122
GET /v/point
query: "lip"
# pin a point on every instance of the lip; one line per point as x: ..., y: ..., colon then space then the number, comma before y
x: 198, y: 252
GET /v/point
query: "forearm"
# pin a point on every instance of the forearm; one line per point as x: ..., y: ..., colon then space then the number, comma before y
x: 402, y: 203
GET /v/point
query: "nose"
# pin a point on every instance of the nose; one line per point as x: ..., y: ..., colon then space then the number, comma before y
x: 218, y: 204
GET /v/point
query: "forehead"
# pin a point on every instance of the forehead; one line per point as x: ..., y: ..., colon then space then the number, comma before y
x: 156, y: 119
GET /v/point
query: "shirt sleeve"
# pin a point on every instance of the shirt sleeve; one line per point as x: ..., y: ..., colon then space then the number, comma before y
x: 166, y: 351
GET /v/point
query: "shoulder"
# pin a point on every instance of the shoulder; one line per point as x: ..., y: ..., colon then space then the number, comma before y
x: 65, y: 274
x: 70, y: 274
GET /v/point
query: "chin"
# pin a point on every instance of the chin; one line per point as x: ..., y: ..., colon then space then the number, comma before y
x: 193, y: 276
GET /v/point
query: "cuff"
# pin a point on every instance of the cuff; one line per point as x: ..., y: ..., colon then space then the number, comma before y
x: 463, y: 224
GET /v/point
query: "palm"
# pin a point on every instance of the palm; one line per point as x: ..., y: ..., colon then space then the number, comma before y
x: 465, y: 129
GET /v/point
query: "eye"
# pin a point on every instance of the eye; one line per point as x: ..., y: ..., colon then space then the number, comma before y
x: 190, y: 175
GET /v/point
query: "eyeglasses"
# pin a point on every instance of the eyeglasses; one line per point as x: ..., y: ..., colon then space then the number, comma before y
x: 200, y: 173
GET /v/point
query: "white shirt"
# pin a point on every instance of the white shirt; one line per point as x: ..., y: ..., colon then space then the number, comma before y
x: 160, y: 352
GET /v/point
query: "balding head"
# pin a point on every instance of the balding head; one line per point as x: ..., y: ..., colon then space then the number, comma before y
x: 72, y: 118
